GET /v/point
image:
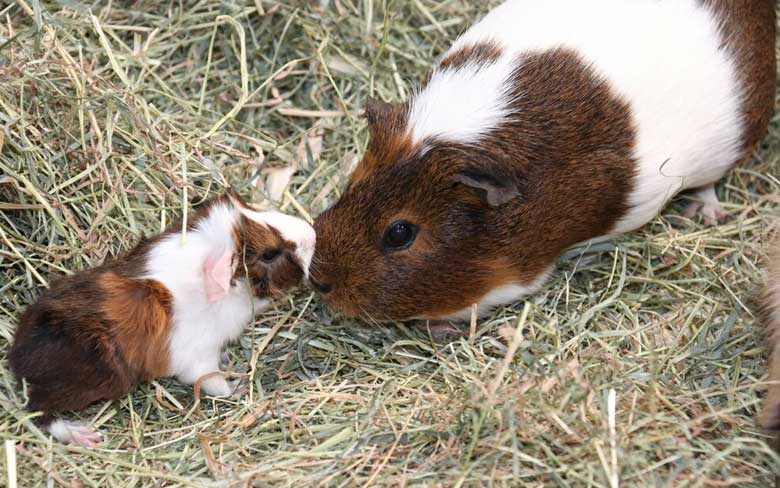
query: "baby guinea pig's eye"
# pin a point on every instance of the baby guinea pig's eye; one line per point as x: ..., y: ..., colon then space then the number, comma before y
x: 400, y: 235
x: 270, y: 255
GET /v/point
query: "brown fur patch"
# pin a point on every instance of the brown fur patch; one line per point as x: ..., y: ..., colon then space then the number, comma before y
x: 749, y: 29
x: 479, y: 54
x: 571, y: 147
x: 140, y: 310
x: 770, y: 314
x: 65, y: 349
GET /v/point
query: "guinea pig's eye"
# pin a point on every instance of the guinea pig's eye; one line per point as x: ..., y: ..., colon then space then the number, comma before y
x: 271, y: 254
x: 399, y: 235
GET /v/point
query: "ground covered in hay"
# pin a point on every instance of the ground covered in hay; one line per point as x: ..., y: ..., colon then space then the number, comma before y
x: 639, y: 364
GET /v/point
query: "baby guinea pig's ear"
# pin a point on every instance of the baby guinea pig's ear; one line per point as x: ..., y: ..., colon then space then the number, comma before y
x: 217, y: 272
x: 496, y: 189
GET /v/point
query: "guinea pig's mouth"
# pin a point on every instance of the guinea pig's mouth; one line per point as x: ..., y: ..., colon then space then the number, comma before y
x: 271, y: 291
x: 320, y: 287
x: 259, y: 287
x: 273, y: 287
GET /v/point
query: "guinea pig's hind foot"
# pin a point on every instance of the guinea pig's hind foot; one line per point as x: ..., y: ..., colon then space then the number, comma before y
x: 705, y: 202
x: 441, y: 330
x: 77, y: 433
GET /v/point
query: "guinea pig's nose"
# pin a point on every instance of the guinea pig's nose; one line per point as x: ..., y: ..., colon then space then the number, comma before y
x: 323, y: 288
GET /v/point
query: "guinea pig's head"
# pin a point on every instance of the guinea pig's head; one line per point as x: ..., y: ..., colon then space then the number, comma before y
x: 268, y: 251
x: 417, y: 232
x: 274, y: 251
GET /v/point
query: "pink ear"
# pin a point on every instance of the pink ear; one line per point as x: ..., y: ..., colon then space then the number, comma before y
x: 217, y: 271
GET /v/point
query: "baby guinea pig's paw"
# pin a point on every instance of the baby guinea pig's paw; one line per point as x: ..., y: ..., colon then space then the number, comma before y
x: 239, y: 386
x: 217, y: 386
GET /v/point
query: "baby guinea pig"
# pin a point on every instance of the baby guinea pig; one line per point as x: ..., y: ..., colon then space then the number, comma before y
x: 770, y: 413
x: 166, y: 308
x: 547, y: 124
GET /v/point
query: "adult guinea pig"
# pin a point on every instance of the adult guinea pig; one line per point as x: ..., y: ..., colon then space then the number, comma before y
x: 547, y: 124
x: 165, y: 309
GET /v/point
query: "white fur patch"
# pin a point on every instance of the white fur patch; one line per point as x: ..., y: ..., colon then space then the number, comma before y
x: 461, y: 105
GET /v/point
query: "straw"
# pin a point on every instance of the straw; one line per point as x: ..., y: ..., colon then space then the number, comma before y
x: 639, y: 364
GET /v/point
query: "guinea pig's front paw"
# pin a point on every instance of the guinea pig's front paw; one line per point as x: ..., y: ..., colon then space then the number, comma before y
x: 217, y: 386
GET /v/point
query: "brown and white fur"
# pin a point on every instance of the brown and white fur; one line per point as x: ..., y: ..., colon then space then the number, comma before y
x: 770, y: 413
x: 166, y: 308
x: 547, y: 124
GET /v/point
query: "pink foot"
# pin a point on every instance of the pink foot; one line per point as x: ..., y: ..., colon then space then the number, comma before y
x: 77, y: 433
x: 706, y: 203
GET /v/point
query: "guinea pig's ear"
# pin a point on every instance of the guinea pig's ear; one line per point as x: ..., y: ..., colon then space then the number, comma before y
x: 385, y: 119
x: 376, y: 110
x: 217, y: 272
x: 498, y: 190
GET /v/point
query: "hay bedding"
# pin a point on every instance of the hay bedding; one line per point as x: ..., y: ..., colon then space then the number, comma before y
x: 639, y: 365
